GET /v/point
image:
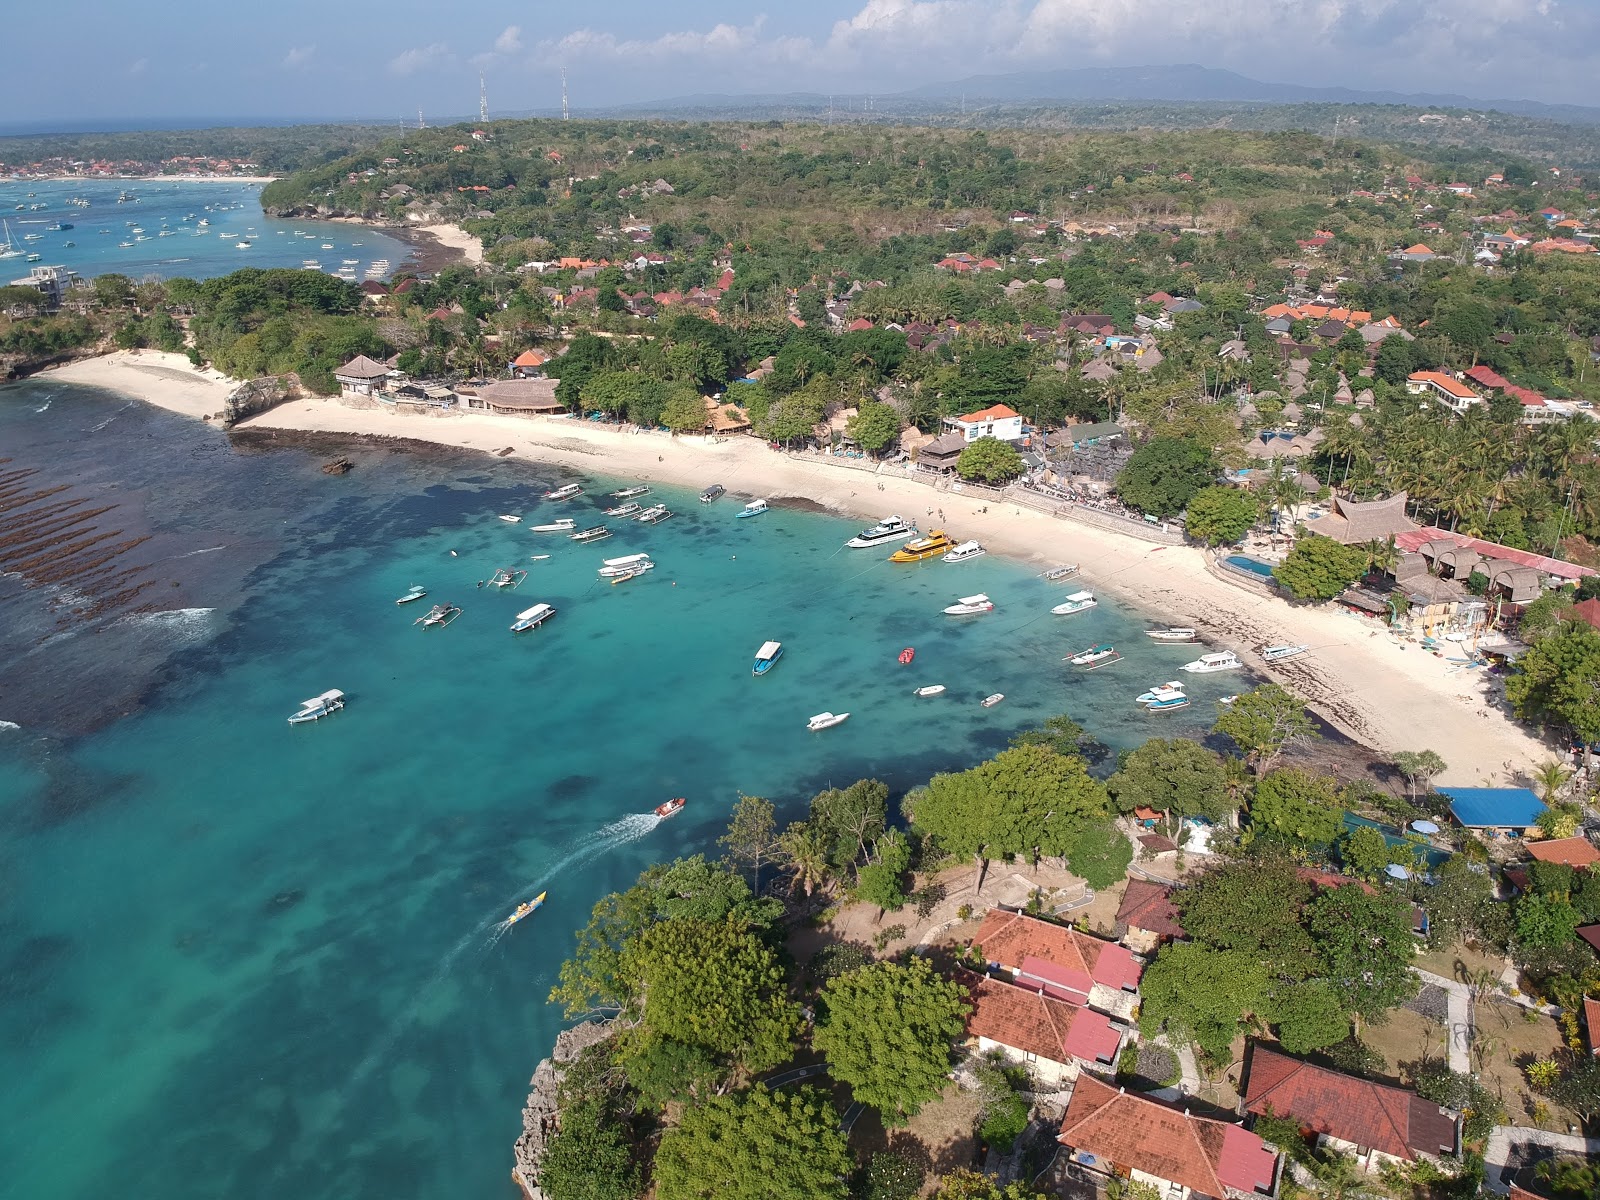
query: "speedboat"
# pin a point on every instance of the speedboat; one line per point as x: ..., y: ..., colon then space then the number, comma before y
x: 1077, y: 602
x: 564, y: 525
x: 510, y: 519
x: 523, y: 910
x: 318, y: 707
x: 970, y: 604
x: 671, y: 808
x: 767, y: 657
x: 566, y: 492
x: 826, y: 720
x: 532, y: 618
x: 439, y: 616
x: 991, y: 701
x: 1095, y: 656
x: 417, y: 592
x: 1160, y: 692
x: 613, y: 567
x: 936, y: 543
x: 625, y: 510
x: 654, y: 515
x: 754, y: 509
x: 628, y: 493
x: 965, y: 551
x: 1172, y: 633
x: 906, y: 655
x: 890, y: 529
x: 1206, y: 664
x: 1278, y: 653
x: 595, y: 533
x: 1227, y: 699
x: 711, y: 493
x: 507, y: 577
x: 933, y: 689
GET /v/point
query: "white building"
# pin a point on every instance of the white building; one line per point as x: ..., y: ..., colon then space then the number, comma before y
x: 998, y: 421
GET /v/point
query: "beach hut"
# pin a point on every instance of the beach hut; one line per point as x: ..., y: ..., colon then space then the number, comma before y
x: 1494, y: 812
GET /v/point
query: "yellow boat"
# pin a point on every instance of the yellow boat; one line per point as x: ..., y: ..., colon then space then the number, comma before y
x: 524, y: 910
x: 936, y: 543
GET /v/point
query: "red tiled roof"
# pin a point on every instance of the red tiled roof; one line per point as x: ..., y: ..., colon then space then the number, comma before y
x: 1375, y: 1115
x: 1587, y: 611
x: 1445, y: 383
x: 1574, y: 851
x: 529, y: 358
x: 1038, y: 1023
x: 1133, y: 1132
x: 996, y: 412
x: 1011, y: 938
x: 1591, y: 934
x: 858, y: 325
x: 1488, y: 376
x: 1591, y: 1021
x: 1149, y: 906
x: 1415, y: 539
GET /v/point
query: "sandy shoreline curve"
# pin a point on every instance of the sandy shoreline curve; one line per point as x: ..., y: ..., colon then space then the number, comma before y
x: 1383, y: 692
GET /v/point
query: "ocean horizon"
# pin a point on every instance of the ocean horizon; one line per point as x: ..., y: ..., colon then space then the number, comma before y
x: 245, y: 958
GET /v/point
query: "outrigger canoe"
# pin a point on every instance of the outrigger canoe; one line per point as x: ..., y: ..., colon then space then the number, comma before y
x: 526, y: 909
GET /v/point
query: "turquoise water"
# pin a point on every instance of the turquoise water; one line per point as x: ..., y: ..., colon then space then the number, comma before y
x: 190, y: 250
x: 243, y: 959
x: 1254, y: 565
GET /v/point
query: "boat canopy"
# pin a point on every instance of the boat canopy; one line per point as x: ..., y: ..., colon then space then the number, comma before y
x: 528, y: 614
x: 1076, y: 596
x: 327, y: 697
x: 980, y: 598
x: 627, y: 560
x: 769, y: 649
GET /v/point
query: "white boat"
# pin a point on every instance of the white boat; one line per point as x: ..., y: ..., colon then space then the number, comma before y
x: 711, y: 493
x: 767, y: 657
x: 970, y: 604
x: 511, y: 519
x: 242, y: 245
x: 615, y: 566
x: 1207, y: 664
x: 991, y: 701
x: 890, y: 529
x: 625, y: 510
x: 417, y: 592
x: 754, y: 509
x: 318, y: 707
x: 1077, y: 602
x: 537, y: 557
x: 654, y: 515
x: 438, y: 616
x: 1102, y: 655
x: 965, y: 551
x: 1279, y: 653
x: 933, y: 689
x: 564, y: 525
x: 595, y: 533
x: 1160, y: 693
x: 532, y: 618
x: 628, y: 572
x: 566, y: 492
x: 1226, y: 699
x: 507, y: 577
x: 327, y: 245
x: 1172, y: 633
x: 826, y: 720
x: 628, y: 493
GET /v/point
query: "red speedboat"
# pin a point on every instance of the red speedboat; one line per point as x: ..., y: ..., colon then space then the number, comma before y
x: 670, y: 808
x: 907, y: 654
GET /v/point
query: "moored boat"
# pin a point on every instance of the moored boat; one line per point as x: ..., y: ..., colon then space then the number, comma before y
x: 933, y: 689
x: 1206, y: 664
x: 1167, y: 704
x: 826, y: 720
x: 1172, y: 633
x: 671, y: 808
x: 654, y: 515
x: 625, y: 510
x: 439, y: 616
x: 890, y: 529
x: 628, y: 493
x: 970, y: 604
x: 1075, y: 603
x: 628, y: 562
x: 754, y: 509
x: 566, y: 492
x: 318, y: 707
x: 965, y: 551
x: 906, y: 655
x: 510, y: 519
x: 766, y: 657
x: 936, y: 543
x: 524, y: 909
x: 564, y: 525
x: 1160, y: 693
x: 1095, y: 656
x: 507, y: 577
x: 1279, y: 653
x: 417, y: 592
x: 532, y: 618
x: 992, y: 700
x: 595, y: 533
x: 711, y: 493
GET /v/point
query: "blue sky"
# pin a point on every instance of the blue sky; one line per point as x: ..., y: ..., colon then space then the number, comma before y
x: 336, y: 58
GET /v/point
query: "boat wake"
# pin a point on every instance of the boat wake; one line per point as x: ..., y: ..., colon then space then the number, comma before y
x: 207, y: 550
x: 48, y: 402
x: 112, y: 417
x: 185, y: 625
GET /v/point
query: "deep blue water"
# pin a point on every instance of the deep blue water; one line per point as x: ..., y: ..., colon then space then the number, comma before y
x: 248, y: 960
x: 189, y: 250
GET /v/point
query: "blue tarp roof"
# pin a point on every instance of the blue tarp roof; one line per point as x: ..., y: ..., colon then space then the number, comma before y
x: 1500, y: 808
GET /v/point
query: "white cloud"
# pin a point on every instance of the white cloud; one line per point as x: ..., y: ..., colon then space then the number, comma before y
x: 138, y: 66
x: 510, y: 41
x: 419, y: 58
x: 298, y: 57
x: 718, y: 44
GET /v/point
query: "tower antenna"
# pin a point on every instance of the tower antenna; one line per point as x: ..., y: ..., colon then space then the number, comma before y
x: 483, y: 99
x: 565, y: 115
x: 421, y: 124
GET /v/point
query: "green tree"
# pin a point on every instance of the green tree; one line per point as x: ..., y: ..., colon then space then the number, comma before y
x: 989, y: 460
x: 589, y: 1158
x: 880, y: 882
x: 1297, y: 806
x: 1220, y: 516
x: 1456, y: 903
x: 1365, y: 945
x: 887, y: 1029
x: 1100, y: 855
x: 875, y: 426
x: 1202, y: 994
x: 891, y: 1175
x: 850, y: 818
x: 684, y: 411
x: 1558, y: 681
x: 1419, y: 767
x: 1365, y: 852
x: 752, y: 833
x: 1252, y: 905
x: 971, y: 1185
x: 1319, y: 568
x: 1164, y: 474
x: 1579, y: 1089
x: 1545, y: 922
x: 1263, y: 721
x: 755, y: 1145
x: 1309, y: 1016
x: 803, y: 850
x: 1176, y: 777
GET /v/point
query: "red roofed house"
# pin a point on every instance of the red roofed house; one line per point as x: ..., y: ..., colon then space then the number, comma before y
x: 1374, y: 1121
x: 997, y: 421
x: 1587, y: 611
x: 1573, y: 851
x: 859, y: 325
x: 1069, y: 965
x: 1455, y: 395
x: 1591, y: 1021
x: 1148, y: 914
x: 1053, y: 1038
x: 528, y: 363
x: 1128, y: 1136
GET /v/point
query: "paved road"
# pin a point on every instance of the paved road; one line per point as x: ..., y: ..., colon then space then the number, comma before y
x: 1458, y: 1019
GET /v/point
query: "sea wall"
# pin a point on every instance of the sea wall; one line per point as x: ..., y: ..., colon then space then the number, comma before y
x: 540, y: 1115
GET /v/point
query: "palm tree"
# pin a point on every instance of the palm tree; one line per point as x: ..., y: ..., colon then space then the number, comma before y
x: 1550, y: 777
x: 803, y: 850
x: 1382, y: 555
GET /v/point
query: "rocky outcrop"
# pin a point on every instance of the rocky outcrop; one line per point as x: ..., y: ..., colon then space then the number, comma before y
x: 256, y: 396
x: 540, y: 1114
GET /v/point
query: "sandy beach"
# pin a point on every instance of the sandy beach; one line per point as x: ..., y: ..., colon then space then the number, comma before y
x: 456, y: 238
x: 1377, y: 689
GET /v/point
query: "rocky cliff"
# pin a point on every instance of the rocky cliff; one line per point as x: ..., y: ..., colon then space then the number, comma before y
x: 256, y: 396
x: 540, y: 1114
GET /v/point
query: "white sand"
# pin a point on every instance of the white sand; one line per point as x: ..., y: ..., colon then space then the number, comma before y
x: 457, y: 238
x: 167, y: 380
x: 1384, y: 693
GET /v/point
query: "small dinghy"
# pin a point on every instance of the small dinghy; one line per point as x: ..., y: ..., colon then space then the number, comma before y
x: 510, y: 519
x: 537, y: 557
x: 991, y: 701
x: 826, y: 720
x: 933, y: 689
x: 907, y: 655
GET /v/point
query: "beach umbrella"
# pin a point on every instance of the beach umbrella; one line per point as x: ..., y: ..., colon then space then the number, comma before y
x: 1424, y: 827
x: 1396, y: 871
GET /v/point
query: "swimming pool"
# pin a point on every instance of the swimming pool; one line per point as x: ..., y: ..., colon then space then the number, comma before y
x: 1253, y: 565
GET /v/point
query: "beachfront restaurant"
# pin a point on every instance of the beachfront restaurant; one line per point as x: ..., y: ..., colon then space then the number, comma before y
x: 1494, y: 812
